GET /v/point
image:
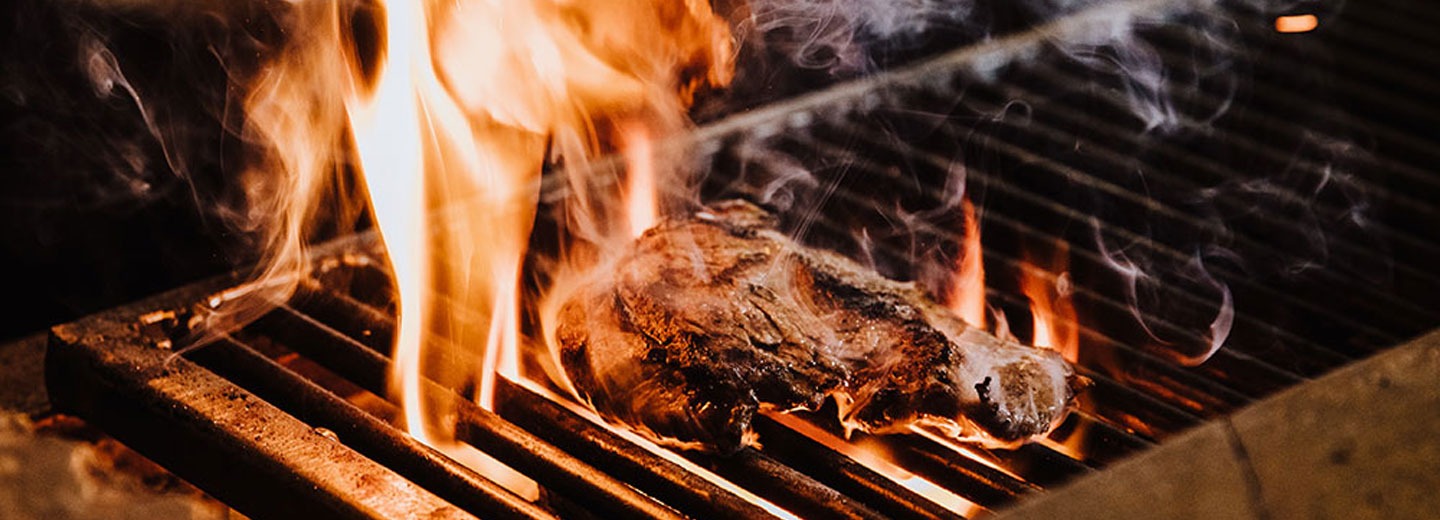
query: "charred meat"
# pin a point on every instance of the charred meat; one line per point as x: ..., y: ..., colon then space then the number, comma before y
x: 712, y: 318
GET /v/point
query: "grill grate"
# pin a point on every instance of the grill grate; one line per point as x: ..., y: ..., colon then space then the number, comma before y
x: 288, y: 415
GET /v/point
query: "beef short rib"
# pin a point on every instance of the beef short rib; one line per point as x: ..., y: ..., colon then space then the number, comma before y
x: 708, y: 319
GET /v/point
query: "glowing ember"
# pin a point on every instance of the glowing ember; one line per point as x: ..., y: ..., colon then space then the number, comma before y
x: 1298, y: 23
x: 967, y: 288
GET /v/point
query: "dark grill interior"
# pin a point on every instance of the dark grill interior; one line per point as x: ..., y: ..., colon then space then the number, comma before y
x: 1297, y: 173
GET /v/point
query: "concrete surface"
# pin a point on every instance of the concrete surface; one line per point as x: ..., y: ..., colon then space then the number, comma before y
x: 69, y: 472
x: 1362, y: 442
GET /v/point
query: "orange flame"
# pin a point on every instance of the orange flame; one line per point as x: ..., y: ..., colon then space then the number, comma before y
x: 477, y: 111
x: 966, y: 293
x: 451, y: 123
x: 1051, y: 309
x: 642, y: 202
x: 391, y: 116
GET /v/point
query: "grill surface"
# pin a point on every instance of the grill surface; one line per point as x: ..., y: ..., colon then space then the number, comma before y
x: 1272, y: 167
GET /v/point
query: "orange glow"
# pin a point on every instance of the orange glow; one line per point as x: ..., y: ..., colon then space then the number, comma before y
x: 1298, y: 23
x: 1073, y: 445
x: 1051, y: 310
x: 967, y: 287
x: 658, y: 450
x: 961, y: 449
x: 874, y: 455
x: 641, y: 197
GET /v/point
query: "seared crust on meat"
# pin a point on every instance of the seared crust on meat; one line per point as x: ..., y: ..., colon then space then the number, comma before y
x: 709, y: 319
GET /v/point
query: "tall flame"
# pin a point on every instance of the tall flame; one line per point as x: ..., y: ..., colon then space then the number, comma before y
x: 966, y: 295
x: 450, y: 125
x: 387, y: 135
x: 1051, y: 309
x: 642, y: 203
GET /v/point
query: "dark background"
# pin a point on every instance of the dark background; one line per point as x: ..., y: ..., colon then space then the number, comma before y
x: 93, y: 210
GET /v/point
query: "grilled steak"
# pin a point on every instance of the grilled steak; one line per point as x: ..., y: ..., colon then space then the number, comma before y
x: 708, y: 319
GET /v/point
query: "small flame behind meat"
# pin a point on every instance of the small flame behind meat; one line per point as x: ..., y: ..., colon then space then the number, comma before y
x: 709, y: 319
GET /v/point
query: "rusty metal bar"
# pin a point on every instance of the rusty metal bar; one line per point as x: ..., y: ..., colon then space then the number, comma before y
x: 969, y: 478
x: 330, y: 348
x: 580, y: 436
x: 355, y: 319
x: 560, y: 471
x: 783, y: 485
x: 602, y: 448
x: 1039, y: 465
x: 845, y: 474
x: 517, y: 448
x: 531, y: 411
x: 235, y: 446
x: 359, y: 430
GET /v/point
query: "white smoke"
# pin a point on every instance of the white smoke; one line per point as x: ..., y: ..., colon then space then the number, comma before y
x: 837, y: 35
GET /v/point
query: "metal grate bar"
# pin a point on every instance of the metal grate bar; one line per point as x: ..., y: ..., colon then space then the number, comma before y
x: 1194, y: 164
x: 1274, y: 66
x: 1164, y: 365
x: 1237, y: 398
x: 1038, y: 464
x: 855, y: 160
x: 846, y: 475
x: 1109, y: 156
x: 1278, y: 63
x: 1042, y: 204
x: 783, y: 485
x: 363, y: 432
x: 481, y: 428
x: 1374, y: 296
x: 602, y: 448
x: 477, y: 427
x: 240, y: 449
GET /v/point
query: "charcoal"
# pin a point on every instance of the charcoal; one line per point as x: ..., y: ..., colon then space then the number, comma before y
x: 707, y: 320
